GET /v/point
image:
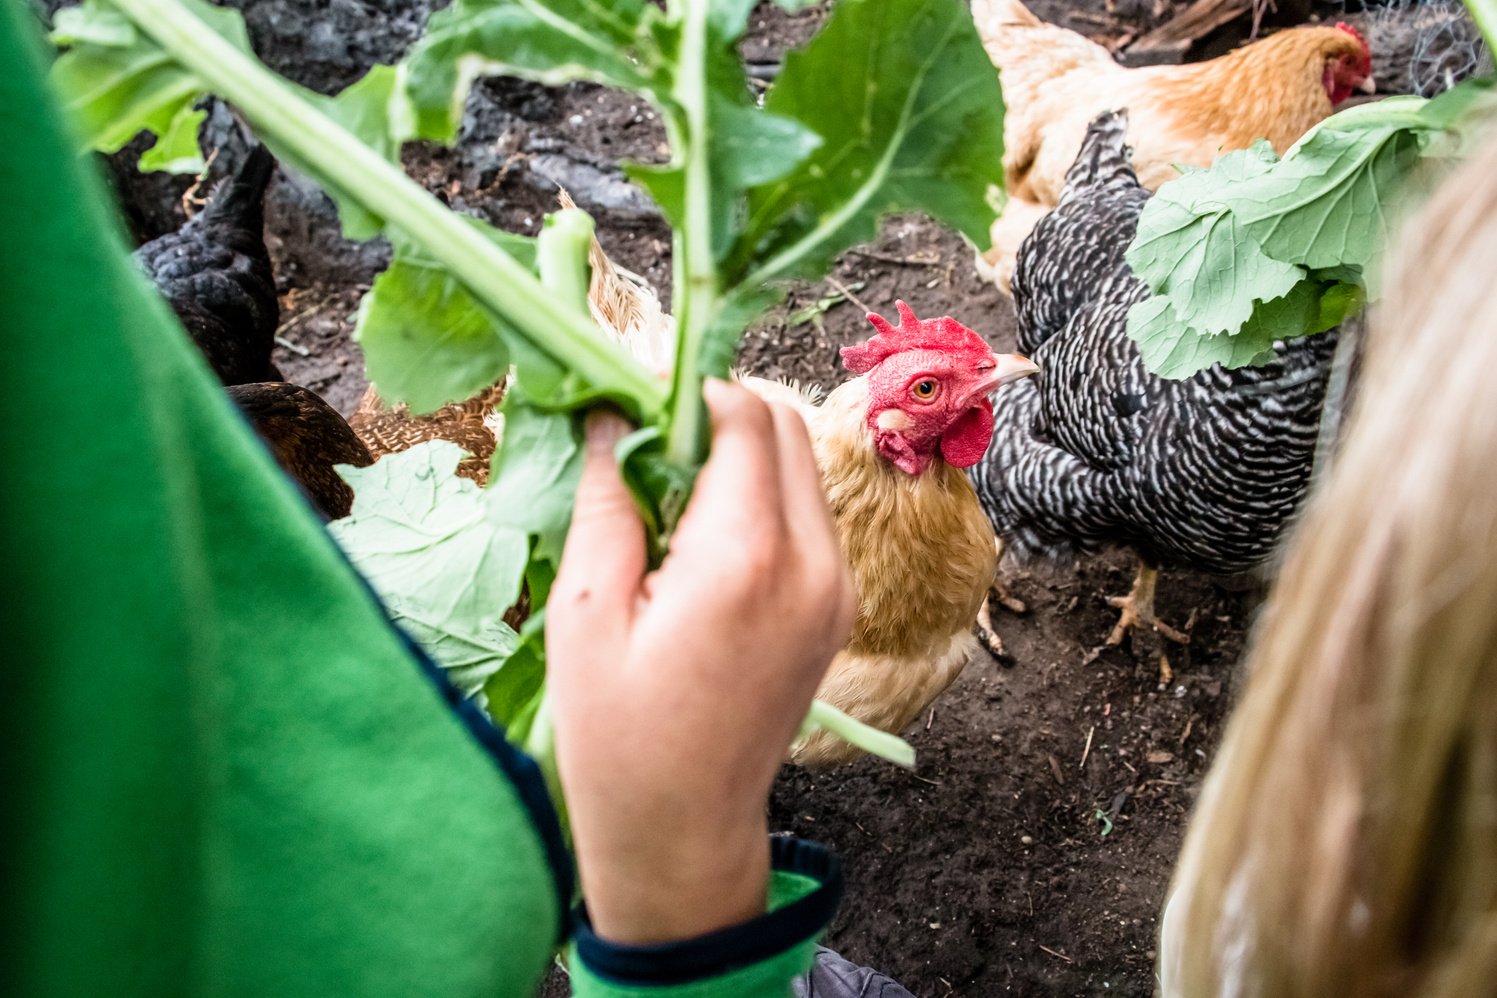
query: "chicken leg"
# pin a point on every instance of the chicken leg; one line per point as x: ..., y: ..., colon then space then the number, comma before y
x: 987, y: 634
x: 1138, y: 609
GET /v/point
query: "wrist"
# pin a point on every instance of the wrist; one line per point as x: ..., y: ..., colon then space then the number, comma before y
x: 677, y: 884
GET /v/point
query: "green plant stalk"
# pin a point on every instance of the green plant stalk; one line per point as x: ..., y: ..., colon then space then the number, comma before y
x: 695, y: 277
x: 491, y: 275
x: 561, y: 255
x: 871, y: 740
x: 1484, y: 13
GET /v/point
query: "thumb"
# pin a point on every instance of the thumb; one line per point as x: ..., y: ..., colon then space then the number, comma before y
x: 603, y: 562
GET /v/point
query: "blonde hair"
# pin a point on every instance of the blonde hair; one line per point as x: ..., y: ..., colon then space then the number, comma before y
x: 1345, y: 841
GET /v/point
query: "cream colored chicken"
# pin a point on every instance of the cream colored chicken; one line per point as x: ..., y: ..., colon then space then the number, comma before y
x: 1055, y: 82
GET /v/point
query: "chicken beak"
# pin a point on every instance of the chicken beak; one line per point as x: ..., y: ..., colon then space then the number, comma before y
x: 1006, y: 367
x: 1012, y: 367
x: 1368, y: 85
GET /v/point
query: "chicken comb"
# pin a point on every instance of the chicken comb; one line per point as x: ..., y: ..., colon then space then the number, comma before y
x: 944, y: 334
x: 1342, y: 25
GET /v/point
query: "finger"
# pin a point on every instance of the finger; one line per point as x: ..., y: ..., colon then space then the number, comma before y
x: 739, y: 487
x: 604, y: 557
x: 800, y: 480
x: 814, y: 534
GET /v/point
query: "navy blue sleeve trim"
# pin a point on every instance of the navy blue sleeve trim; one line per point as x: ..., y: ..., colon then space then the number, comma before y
x: 733, y: 948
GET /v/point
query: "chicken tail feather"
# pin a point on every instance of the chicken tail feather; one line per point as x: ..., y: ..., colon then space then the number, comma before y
x: 240, y: 198
x: 627, y: 308
x: 1104, y: 159
x: 991, y: 14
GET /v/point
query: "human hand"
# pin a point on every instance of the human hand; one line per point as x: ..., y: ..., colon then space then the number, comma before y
x: 675, y: 693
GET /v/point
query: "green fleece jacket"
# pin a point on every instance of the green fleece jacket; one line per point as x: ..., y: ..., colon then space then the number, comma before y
x: 232, y: 776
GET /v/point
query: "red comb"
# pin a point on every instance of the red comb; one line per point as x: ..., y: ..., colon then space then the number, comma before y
x: 944, y: 334
x: 1353, y: 32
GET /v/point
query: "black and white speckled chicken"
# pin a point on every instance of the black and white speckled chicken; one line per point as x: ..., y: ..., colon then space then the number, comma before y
x: 215, y: 273
x: 1202, y: 473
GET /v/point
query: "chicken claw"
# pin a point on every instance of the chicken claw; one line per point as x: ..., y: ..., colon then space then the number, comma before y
x: 1138, y: 610
x: 987, y: 634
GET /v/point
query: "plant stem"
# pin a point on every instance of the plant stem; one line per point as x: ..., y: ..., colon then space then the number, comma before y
x: 1484, y: 13
x: 856, y: 733
x: 557, y: 328
x: 696, y: 293
x: 561, y: 255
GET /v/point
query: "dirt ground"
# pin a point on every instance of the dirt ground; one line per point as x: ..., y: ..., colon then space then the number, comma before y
x: 1029, y: 852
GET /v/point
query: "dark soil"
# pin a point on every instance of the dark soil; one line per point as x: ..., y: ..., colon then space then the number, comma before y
x: 1030, y: 851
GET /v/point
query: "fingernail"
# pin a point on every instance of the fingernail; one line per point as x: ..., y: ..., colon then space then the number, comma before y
x: 604, y: 430
x: 716, y: 392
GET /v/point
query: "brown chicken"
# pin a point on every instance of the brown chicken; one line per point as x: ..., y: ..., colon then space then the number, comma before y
x: 1055, y: 82
x: 386, y: 428
x: 307, y: 438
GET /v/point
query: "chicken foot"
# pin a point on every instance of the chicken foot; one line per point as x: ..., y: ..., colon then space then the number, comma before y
x: 987, y: 634
x: 1138, y: 609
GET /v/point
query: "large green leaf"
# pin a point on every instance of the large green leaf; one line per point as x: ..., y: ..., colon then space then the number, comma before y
x: 426, y: 340
x: 911, y: 118
x: 421, y: 536
x: 554, y: 42
x: 535, y: 474
x: 1259, y: 248
x: 1193, y: 249
x: 364, y: 108
x: 1331, y: 202
x: 118, y: 82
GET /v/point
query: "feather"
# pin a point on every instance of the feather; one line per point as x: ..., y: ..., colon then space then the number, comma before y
x: 1207, y: 472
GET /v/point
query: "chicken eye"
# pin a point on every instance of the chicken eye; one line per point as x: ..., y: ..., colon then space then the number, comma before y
x: 924, y: 390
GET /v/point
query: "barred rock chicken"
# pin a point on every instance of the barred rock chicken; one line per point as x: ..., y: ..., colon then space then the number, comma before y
x: 1055, y: 81
x: 215, y: 273
x: 1205, y: 472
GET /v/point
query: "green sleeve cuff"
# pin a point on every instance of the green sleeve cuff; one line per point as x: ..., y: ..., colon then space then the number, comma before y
x: 756, y: 958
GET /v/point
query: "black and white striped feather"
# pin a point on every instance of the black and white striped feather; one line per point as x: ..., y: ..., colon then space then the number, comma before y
x: 1095, y: 450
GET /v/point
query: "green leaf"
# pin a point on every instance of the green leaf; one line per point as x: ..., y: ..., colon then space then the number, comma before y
x: 513, y: 692
x: 426, y: 340
x: 176, y: 149
x: 1172, y: 349
x: 911, y: 118
x: 555, y: 42
x: 1192, y: 248
x: 117, y: 82
x: 1258, y: 248
x: 471, y: 652
x: 364, y: 108
x: 91, y: 23
x: 536, y: 469
x: 1328, y: 202
x: 1338, y: 304
x: 422, y: 537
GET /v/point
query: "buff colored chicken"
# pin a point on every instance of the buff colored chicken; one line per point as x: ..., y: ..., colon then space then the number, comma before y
x: 1055, y: 82
x: 891, y: 444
